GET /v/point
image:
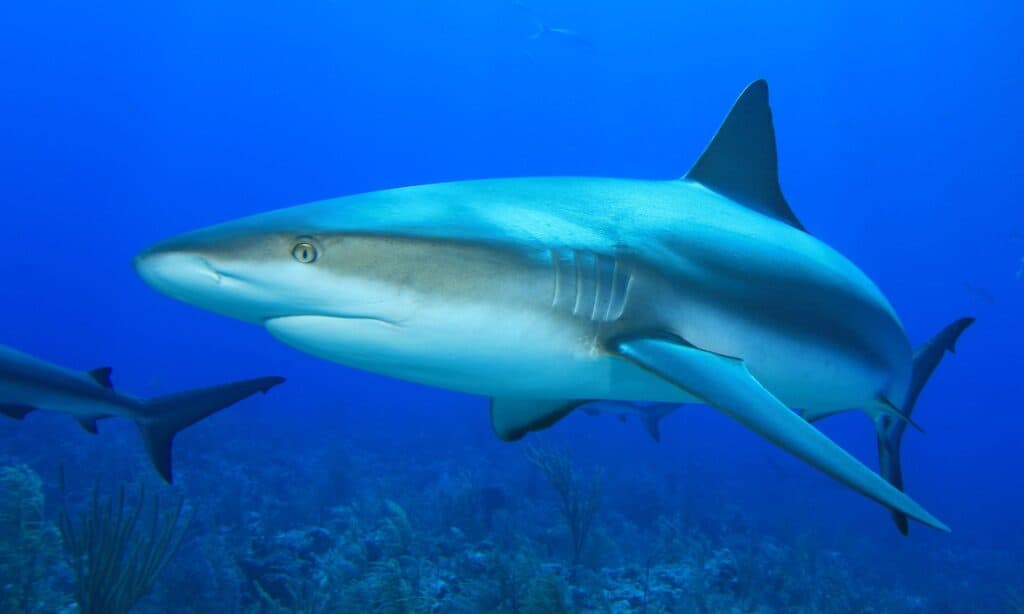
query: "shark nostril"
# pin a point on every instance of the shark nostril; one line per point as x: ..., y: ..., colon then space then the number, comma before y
x: 209, y: 270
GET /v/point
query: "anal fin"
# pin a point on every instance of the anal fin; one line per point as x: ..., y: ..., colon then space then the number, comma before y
x: 513, y: 418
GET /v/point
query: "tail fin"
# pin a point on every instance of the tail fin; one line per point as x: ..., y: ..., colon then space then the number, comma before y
x: 162, y: 417
x: 890, y: 430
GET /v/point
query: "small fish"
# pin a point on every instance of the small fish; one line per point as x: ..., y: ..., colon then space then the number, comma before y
x: 545, y: 30
x: 565, y: 33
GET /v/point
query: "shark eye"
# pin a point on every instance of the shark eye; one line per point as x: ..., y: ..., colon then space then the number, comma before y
x: 304, y: 252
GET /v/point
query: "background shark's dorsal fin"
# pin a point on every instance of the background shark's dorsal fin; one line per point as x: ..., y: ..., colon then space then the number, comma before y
x: 13, y: 410
x: 741, y: 163
x: 102, y: 376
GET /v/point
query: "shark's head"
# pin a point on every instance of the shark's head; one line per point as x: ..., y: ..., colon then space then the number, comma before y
x: 380, y: 281
x: 312, y: 260
x: 258, y: 272
x: 312, y: 275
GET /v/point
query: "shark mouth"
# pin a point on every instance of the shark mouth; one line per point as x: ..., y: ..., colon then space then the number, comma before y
x: 275, y: 320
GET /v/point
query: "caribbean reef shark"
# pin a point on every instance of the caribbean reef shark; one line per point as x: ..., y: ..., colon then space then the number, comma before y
x: 547, y: 293
x: 28, y: 383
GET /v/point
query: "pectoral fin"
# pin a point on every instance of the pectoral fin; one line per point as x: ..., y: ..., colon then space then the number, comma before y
x: 514, y: 418
x: 727, y: 385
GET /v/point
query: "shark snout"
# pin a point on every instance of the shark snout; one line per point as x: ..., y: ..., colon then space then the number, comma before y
x: 175, y: 273
x: 196, y: 274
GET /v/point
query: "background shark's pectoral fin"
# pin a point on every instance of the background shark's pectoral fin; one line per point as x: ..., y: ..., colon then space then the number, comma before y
x: 727, y: 385
x: 89, y: 423
x: 513, y: 418
x: 652, y: 416
x: 15, y: 411
x: 652, y: 428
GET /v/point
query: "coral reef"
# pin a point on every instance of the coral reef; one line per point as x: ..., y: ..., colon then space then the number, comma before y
x: 390, y: 526
x: 29, y: 544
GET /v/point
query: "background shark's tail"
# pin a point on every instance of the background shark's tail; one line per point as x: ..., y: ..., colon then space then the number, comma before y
x: 890, y: 430
x: 162, y: 417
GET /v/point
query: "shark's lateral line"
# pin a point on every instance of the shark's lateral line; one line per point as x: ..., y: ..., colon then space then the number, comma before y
x: 28, y: 383
x: 546, y: 293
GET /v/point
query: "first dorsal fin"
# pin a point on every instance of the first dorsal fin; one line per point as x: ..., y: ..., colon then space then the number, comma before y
x: 102, y: 376
x: 740, y: 162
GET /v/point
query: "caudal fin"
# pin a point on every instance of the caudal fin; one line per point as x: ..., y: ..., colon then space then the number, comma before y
x: 890, y: 429
x: 163, y: 417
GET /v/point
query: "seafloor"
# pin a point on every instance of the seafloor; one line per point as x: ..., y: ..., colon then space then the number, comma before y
x: 356, y: 513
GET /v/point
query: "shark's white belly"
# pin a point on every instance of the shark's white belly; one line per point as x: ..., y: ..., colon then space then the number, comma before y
x: 532, y: 358
x: 516, y: 355
x: 532, y: 353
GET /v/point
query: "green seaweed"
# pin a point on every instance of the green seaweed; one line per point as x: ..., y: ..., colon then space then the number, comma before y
x: 1014, y: 601
x: 385, y: 589
x: 397, y: 529
x: 545, y: 596
x: 578, y: 502
x: 114, y: 557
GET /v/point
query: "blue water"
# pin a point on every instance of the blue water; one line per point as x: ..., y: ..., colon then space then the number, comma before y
x: 899, y: 135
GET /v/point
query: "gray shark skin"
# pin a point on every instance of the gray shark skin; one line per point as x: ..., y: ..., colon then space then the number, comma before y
x: 28, y: 383
x: 649, y: 414
x: 547, y: 293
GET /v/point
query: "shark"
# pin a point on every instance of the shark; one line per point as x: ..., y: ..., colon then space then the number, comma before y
x: 28, y: 383
x: 650, y: 414
x: 546, y: 293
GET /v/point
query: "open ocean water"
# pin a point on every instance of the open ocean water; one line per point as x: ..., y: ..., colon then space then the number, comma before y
x: 899, y: 132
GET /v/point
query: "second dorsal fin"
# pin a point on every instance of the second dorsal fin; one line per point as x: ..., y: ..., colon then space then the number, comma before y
x: 740, y: 162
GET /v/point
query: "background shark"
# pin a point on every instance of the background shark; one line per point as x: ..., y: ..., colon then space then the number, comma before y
x: 545, y: 293
x: 28, y: 383
x: 649, y: 414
